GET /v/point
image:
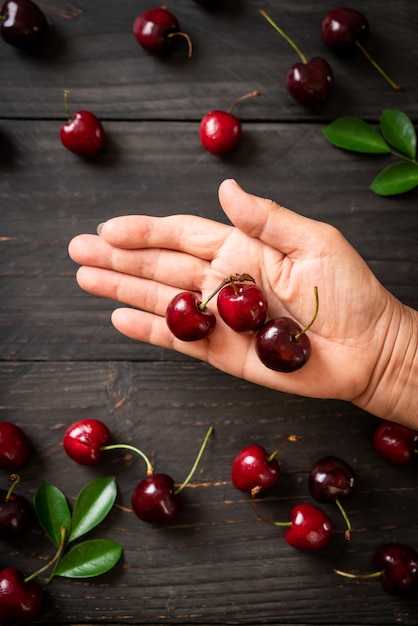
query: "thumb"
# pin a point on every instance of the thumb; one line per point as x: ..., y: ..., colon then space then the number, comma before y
x: 273, y: 224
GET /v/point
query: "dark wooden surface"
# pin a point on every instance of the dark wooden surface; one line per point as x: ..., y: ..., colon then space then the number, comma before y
x: 61, y: 360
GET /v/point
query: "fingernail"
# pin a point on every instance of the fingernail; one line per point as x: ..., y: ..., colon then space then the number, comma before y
x: 100, y: 228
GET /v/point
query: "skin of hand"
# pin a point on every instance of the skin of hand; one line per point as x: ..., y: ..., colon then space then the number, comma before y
x: 364, y: 340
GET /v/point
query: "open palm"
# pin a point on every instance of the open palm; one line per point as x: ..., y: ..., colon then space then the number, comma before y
x: 143, y: 262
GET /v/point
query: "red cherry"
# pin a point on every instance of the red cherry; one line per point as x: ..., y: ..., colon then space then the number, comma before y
x: 14, y: 446
x: 310, y: 83
x: 220, y: 131
x: 242, y: 305
x: 254, y: 469
x: 155, y: 29
x: 310, y: 528
x: 396, y: 443
x: 155, y: 500
x: 14, y: 511
x: 188, y: 318
x: 20, y: 601
x: 84, y: 441
x: 83, y: 134
x: 23, y: 24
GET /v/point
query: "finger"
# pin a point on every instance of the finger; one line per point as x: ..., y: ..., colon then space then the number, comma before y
x: 194, y: 235
x: 273, y: 224
x: 165, y: 266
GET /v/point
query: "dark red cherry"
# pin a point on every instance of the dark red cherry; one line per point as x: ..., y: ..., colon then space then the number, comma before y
x: 23, y: 24
x: 330, y: 479
x: 188, y: 318
x: 15, y: 511
x: 83, y: 441
x: 14, y: 446
x: 155, y: 500
x: 20, y: 601
x: 281, y: 347
x: 399, y: 566
x: 310, y: 528
x: 155, y: 29
x: 342, y: 27
x: 254, y: 469
x: 83, y: 134
x: 310, y: 83
x: 396, y: 443
x: 242, y: 305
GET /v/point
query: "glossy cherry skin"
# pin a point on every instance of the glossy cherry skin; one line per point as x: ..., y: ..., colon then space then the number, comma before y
x: 186, y: 320
x: 219, y: 132
x: 20, y: 602
x: 310, y: 528
x: 331, y: 478
x: 252, y: 469
x: 23, y: 24
x: 14, y: 446
x: 277, y: 347
x: 83, y: 441
x: 152, y: 29
x: 14, y: 514
x: 395, y: 443
x: 311, y: 83
x: 342, y: 27
x: 154, y: 500
x: 243, y: 306
x: 84, y: 134
x: 399, y: 566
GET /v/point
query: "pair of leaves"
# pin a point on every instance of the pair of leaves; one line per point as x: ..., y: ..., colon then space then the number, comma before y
x: 92, y: 505
x: 397, y: 137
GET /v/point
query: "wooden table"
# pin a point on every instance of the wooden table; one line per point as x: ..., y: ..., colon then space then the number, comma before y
x: 61, y: 359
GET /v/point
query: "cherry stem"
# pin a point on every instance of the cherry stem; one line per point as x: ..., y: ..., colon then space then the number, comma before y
x: 53, y: 560
x: 283, y: 34
x: 67, y: 105
x: 187, y: 38
x: 261, y: 517
x: 196, y: 463
x: 299, y: 334
x: 252, y: 94
x: 226, y: 281
x: 127, y: 446
x: 348, y: 575
x: 16, y: 479
x: 377, y: 67
x: 347, y: 533
x: 291, y: 438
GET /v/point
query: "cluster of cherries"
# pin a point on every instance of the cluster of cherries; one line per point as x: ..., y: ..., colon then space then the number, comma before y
x: 310, y: 83
x: 281, y: 344
x: 156, y: 500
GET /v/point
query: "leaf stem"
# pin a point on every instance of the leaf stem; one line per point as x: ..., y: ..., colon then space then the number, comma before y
x: 196, y: 463
x: 291, y: 438
x: 53, y: 561
x: 299, y: 334
x: 347, y: 533
x: 16, y: 479
x: 377, y: 67
x: 127, y: 446
x: 348, y: 575
x: 283, y: 34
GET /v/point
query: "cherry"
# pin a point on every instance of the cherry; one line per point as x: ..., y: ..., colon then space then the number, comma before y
x: 343, y: 29
x: 155, y: 29
x: 282, y: 345
x: 156, y: 500
x: 220, y: 131
x: 83, y: 134
x: 254, y: 470
x: 85, y: 441
x: 188, y: 318
x: 396, y: 443
x: 20, y: 598
x: 310, y: 83
x: 23, y: 24
x: 242, y: 305
x: 332, y: 479
x: 14, y: 511
x: 14, y: 446
x: 396, y: 566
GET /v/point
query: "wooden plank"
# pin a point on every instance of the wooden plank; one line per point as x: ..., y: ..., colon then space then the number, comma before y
x: 94, y: 54
x: 218, y: 563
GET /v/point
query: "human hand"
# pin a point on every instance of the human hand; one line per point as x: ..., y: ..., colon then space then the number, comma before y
x: 144, y: 261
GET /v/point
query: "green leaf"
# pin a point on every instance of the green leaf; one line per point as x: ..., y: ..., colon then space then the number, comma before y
x: 89, y: 558
x: 52, y: 510
x: 399, y: 131
x: 92, y: 505
x: 396, y: 178
x: 352, y: 133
